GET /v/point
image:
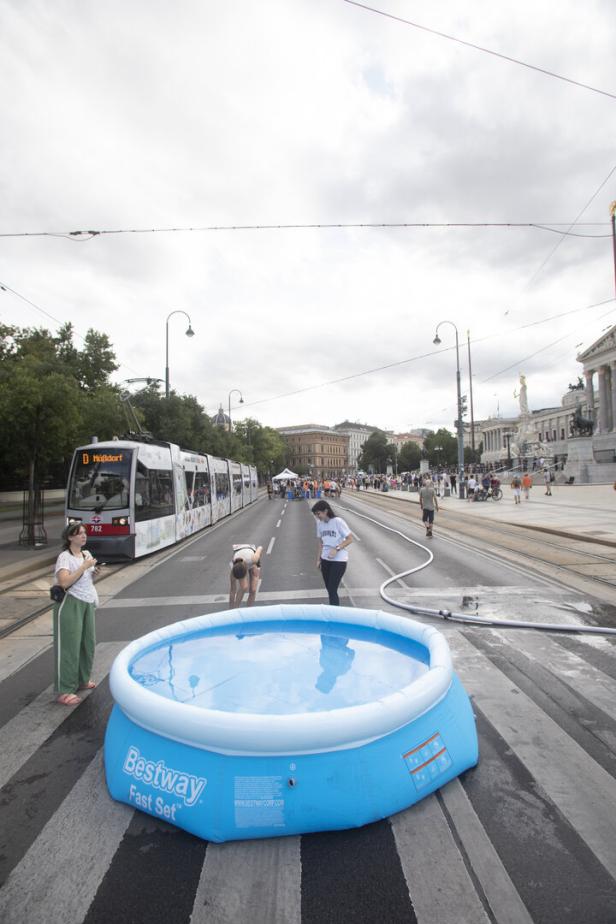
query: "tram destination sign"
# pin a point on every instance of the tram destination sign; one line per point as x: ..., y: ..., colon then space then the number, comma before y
x: 88, y: 458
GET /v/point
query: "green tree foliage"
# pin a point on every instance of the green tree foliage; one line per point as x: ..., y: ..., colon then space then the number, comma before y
x: 441, y: 448
x: 53, y: 396
x: 471, y: 456
x: 266, y: 448
x: 409, y: 457
x: 376, y: 453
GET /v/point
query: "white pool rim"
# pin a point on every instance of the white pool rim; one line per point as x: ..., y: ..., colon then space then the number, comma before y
x: 261, y: 734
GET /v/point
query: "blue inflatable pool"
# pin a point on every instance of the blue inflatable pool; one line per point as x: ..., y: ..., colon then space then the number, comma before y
x: 284, y: 720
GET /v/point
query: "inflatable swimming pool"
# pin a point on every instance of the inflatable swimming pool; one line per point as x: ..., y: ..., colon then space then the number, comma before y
x: 284, y: 720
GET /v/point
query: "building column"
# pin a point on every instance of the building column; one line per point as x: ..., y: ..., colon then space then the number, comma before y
x: 603, y: 399
x: 590, y: 395
x: 613, y: 374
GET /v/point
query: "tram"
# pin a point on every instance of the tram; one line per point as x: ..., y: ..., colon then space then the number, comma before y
x: 137, y: 497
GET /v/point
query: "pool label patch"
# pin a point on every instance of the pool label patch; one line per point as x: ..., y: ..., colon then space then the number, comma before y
x: 157, y: 774
x: 258, y: 802
x: 427, y: 761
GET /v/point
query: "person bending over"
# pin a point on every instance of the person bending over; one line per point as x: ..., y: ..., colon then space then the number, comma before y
x: 245, y: 573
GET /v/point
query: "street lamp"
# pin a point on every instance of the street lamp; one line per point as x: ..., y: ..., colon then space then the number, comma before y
x: 189, y: 333
x: 241, y: 402
x: 470, y: 389
x: 459, y: 424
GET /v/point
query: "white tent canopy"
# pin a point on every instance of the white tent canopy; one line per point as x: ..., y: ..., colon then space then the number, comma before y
x: 285, y: 475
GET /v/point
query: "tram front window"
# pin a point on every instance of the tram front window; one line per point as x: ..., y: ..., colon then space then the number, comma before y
x: 101, y: 480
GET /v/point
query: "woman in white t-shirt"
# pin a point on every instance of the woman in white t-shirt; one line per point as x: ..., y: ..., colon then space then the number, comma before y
x: 334, y: 536
x: 73, y: 620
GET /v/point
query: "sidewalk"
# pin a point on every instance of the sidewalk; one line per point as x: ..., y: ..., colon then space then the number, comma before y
x: 578, y: 511
x: 16, y: 559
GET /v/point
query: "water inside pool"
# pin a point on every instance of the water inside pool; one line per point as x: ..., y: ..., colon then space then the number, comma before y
x: 280, y: 669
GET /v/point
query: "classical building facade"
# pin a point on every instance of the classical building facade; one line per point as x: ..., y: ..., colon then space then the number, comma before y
x: 578, y: 436
x: 592, y: 457
x: 357, y: 434
x: 320, y: 452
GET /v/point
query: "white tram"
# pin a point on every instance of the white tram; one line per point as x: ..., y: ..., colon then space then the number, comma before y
x: 135, y: 498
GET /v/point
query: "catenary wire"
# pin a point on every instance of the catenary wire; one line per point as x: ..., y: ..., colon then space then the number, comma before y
x: 489, y: 51
x: 553, y: 227
x: 416, y: 358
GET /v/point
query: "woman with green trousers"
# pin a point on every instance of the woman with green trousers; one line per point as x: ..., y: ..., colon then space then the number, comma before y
x: 74, y: 638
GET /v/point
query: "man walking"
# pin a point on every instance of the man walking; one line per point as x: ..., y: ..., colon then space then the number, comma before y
x: 428, y: 504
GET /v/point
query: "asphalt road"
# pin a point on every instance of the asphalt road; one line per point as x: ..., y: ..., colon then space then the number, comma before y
x: 527, y: 835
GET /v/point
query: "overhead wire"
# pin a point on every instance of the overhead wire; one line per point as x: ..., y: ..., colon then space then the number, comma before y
x: 550, y: 226
x: 488, y: 51
x: 412, y: 359
x: 6, y: 288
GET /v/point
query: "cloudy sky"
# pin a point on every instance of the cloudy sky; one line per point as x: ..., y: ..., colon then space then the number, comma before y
x: 157, y: 115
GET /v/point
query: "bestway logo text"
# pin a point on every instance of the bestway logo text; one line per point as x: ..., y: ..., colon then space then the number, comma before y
x: 158, y: 775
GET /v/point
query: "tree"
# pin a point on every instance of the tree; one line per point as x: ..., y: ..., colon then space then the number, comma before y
x: 376, y: 452
x: 409, y: 457
x: 52, y: 398
x: 264, y: 446
x: 441, y: 448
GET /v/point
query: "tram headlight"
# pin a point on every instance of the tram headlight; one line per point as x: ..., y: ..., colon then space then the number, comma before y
x: 71, y: 520
x: 119, y: 521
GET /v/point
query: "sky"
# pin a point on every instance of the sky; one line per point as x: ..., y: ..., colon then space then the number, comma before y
x: 227, y: 117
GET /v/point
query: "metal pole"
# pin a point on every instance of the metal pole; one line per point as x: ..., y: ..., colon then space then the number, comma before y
x: 459, y: 421
x: 241, y: 402
x: 613, y: 211
x: 167, y: 357
x: 470, y: 389
x: 459, y: 424
x: 189, y: 333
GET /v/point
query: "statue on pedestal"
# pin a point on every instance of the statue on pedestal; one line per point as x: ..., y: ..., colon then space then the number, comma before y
x: 526, y: 443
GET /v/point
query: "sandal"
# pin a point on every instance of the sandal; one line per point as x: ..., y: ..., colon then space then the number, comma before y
x: 90, y: 685
x: 68, y: 699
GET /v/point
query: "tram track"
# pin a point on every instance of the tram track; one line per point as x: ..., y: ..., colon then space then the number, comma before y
x: 22, y: 621
x: 524, y: 542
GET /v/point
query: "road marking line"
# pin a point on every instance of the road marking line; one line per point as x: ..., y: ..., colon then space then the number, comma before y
x: 557, y: 765
x: 87, y: 817
x: 22, y: 735
x: 428, y: 854
x: 503, y: 897
x: 355, y: 536
x: 278, y: 523
x: 271, y: 545
x: 392, y: 573
x: 257, y: 881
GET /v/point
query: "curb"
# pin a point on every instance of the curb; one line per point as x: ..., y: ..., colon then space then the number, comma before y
x: 540, y: 529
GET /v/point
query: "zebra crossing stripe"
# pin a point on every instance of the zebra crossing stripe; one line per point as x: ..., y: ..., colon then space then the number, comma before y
x: 587, y: 680
x: 58, y: 877
x: 429, y: 854
x: 575, y: 783
x: 21, y: 737
x: 250, y: 882
x: 501, y: 894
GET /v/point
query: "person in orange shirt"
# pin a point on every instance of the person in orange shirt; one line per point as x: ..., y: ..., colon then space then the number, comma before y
x: 527, y: 483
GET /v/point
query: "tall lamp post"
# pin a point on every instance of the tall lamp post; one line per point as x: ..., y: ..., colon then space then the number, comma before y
x: 459, y: 424
x: 470, y: 389
x: 241, y: 402
x: 189, y: 333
